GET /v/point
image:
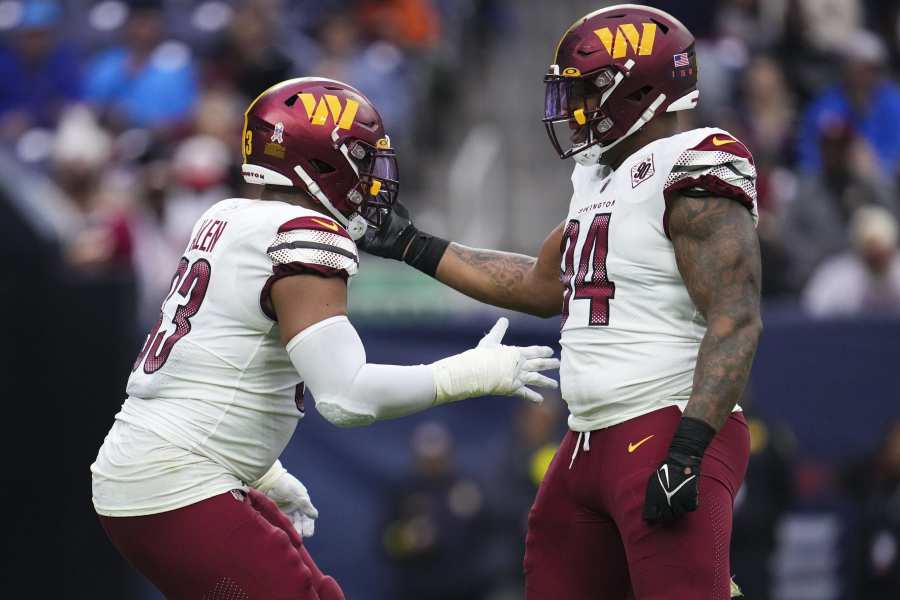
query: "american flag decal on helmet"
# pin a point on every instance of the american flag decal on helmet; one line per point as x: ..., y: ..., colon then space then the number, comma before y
x: 682, y: 60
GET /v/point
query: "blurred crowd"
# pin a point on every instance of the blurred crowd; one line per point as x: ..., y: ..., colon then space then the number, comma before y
x: 132, y: 111
x: 811, y: 87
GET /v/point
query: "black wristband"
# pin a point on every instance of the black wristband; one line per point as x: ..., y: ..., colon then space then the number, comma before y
x: 692, y: 437
x: 425, y: 252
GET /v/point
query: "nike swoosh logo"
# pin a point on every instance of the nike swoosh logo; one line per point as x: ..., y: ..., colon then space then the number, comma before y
x: 666, y: 486
x: 717, y: 142
x: 634, y: 446
x: 326, y: 224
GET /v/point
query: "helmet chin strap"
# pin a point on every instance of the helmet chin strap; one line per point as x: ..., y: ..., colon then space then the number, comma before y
x: 356, y: 225
x: 592, y: 153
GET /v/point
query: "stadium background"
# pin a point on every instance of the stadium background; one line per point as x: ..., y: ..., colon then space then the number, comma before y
x: 120, y: 122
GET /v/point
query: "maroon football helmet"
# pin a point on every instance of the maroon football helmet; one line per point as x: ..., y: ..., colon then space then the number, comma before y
x: 326, y: 138
x: 613, y: 71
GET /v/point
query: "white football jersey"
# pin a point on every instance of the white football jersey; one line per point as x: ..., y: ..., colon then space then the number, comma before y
x: 630, y: 331
x: 213, y: 397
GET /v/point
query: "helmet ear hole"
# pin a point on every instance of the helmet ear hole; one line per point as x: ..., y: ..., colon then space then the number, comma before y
x: 321, y: 166
x: 638, y: 95
x: 662, y: 26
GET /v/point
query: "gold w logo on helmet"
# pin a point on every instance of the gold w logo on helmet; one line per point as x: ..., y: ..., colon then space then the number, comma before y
x: 627, y: 36
x: 329, y: 104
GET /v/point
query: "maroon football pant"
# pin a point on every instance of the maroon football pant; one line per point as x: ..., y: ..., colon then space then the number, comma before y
x: 233, y: 546
x: 587, y: 539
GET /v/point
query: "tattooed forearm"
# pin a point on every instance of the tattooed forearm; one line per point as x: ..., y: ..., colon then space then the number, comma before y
x: 718, y: 256
x: 504, y: 279
x: 504, y: 269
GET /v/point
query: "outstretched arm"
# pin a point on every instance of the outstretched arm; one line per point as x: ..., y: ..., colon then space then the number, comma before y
x: 515, y: 281
x: 523, y: 283
x: 350, y: 391
x: 718, y: 256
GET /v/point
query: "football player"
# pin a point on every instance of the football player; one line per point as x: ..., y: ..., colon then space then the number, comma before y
x: 187, y: 483
x: 656, y: 272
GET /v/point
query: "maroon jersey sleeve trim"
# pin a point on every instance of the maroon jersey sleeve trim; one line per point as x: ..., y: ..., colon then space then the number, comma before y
x: 723, y: 142
x: 708, y: 183
x: 316, y: 223
x: 286, y: 270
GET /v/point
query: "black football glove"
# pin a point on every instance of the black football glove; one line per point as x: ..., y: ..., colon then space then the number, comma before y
x: 391, y: 239
x: 674, y: 488
x: 399, y: 239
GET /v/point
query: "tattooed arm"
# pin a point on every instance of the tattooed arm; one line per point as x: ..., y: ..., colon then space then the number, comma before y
x: 717, y: 251
x: 718, y: 255
x: 515, y: 281
x: 504, y: 279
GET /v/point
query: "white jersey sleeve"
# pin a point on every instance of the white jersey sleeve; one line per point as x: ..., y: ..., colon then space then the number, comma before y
x: 309, y: 245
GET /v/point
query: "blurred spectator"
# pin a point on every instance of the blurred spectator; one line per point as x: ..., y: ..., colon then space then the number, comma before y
x: 433, y: 533
x: 175, y: 194
x: 145, y: 81
x: 769, y: 111
x: 40, y: 72
x: 864, y: 280
x: 765, y: 122
x: 155, y: 253
x: 80, y: 155
x: 379, y: 70
x: 409, y: 23
x: 200, y: 167
x: 513, y: 484
x: 866, y: 99
x: 816, y: 221
x: 219, y: 114
x: 763, y: 499
x: 249, y: 56
x: 879, y: 550
x: 831, y: 24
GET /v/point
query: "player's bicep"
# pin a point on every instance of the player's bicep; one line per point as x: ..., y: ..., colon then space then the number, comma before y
x: 304, y: 300
x: 717, y: 251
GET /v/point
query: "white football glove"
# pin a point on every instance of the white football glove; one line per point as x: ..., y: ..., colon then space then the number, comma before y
x: 292, y: 498
x: 492, y: 368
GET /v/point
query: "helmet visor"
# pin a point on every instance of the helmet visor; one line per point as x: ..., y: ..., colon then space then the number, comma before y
x: 573, y: 111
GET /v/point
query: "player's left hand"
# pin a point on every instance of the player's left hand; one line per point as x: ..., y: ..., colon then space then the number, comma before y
x: 392, y: 238
x: 673, y: 489
x: 292, y: 498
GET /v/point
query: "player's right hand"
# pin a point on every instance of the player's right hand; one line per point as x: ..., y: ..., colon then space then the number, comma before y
x: 492, y: 368
x: 293, y: 499
x: 392, y: 238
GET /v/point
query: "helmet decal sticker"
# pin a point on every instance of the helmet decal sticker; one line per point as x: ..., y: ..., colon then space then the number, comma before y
x: 278, y: 135
x: 274, y: 150
x: 329, y: 104
x: 627, y: 36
